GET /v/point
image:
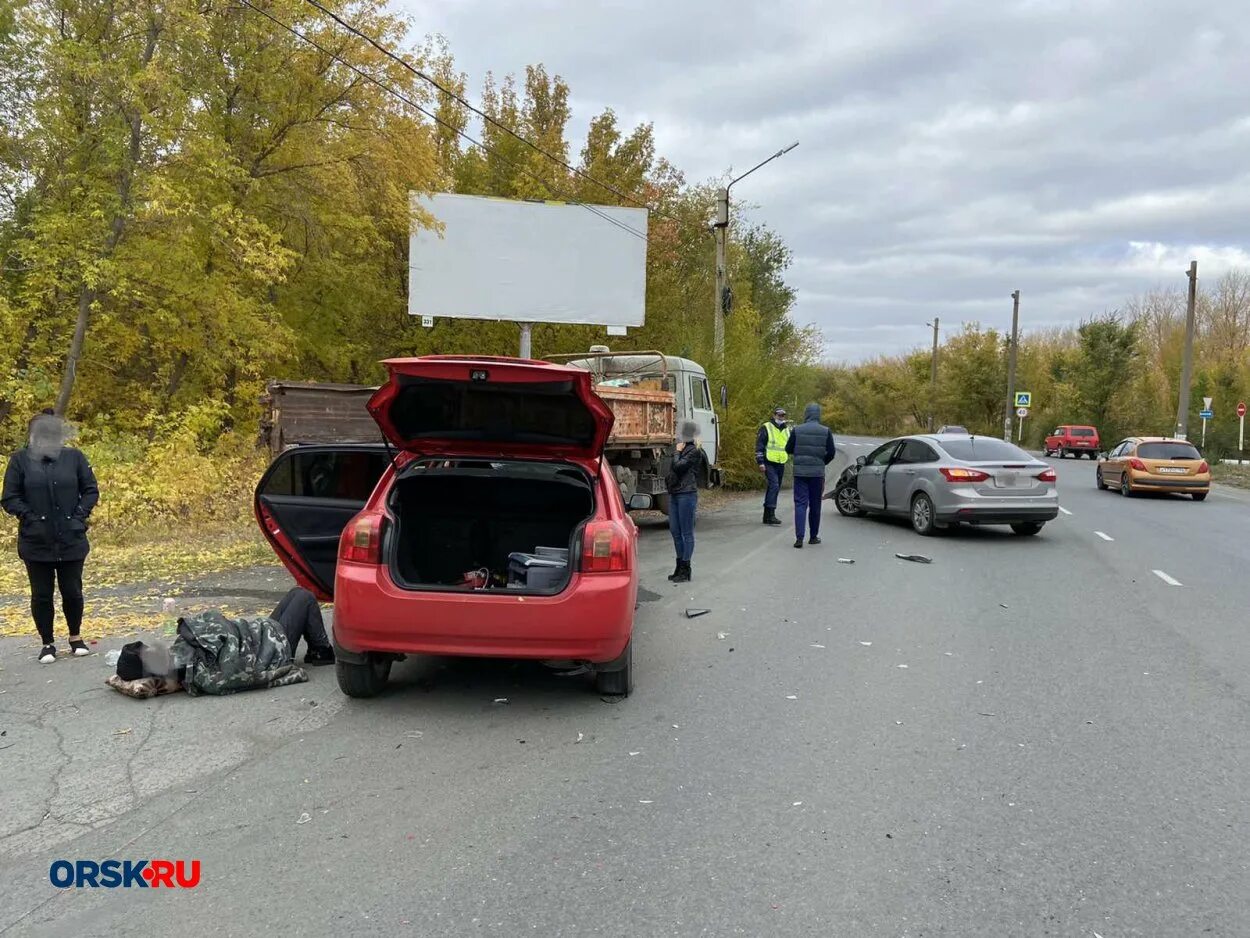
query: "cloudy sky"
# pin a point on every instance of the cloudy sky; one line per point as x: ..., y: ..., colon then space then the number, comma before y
x: 951, y: 152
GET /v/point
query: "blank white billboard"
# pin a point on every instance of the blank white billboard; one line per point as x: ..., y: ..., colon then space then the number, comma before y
x: 529, y: 262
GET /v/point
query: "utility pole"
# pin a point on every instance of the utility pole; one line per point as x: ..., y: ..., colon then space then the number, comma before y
x: 527, y: 337
x: 1011, y: 365
x: 933, y: 374
x: 723, y: 299
x: 1187, y: 362
x: 721, y: 233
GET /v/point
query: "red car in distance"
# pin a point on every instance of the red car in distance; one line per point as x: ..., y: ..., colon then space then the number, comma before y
x: 1077, y: 440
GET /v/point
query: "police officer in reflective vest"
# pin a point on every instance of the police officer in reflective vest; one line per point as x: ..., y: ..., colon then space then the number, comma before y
x: 770, y: 454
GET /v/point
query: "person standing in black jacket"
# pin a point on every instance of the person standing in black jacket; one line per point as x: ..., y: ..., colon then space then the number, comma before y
x: 689, y: 466
x: 50, y: 488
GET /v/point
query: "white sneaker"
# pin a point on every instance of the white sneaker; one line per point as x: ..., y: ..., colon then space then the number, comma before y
x: 79, y: 647
x: 48, y: 655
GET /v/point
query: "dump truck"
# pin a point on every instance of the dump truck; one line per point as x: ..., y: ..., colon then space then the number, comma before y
x: 649, y: 393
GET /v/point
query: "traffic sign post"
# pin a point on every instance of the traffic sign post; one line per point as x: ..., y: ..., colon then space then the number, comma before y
x: 1024, y: 399
x: 1241, y: 434
x: 1021, y: 412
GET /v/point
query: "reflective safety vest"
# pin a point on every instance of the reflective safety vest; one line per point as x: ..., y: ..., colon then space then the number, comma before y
x: 777, y: 439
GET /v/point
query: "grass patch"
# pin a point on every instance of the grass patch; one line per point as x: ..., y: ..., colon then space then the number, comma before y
x: 1232, y: 475
x: 134, y: 559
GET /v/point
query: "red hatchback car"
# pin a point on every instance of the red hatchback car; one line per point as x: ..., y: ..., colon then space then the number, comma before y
x: 1079, y: 441
x: 489, y: 524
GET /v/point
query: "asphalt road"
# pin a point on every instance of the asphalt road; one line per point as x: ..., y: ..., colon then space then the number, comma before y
x: 1030, y: 736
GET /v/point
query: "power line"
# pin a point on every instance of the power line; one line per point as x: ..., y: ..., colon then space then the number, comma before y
x: 482, y: 114
x: 434, y: 117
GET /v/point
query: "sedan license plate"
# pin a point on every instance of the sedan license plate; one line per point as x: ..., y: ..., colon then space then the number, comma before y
x: 1173, y: 470
x: 1008, y: 480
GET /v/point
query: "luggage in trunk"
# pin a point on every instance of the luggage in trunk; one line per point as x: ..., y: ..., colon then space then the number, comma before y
x: 516, y: 521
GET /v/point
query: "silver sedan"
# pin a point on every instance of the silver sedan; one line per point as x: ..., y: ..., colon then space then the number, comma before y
x: 944, y: 479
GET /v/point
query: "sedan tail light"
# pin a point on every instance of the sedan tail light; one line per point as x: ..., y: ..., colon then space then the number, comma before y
x: 959, y: 474
x: 1203, y: 467
x: 1047, y: 475
x: 605, y: 548
x: 362, y: 540
x: 1137, y: 465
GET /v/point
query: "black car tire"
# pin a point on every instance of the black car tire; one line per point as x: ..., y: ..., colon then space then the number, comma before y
x: 922, y: 519
x: 1200, y: 496
x: 1126, y: 487
x: 1098, y: 483
x: 1063, y: 453
x: 618, y: 682
x: 1092, y: 455
x: 365, y: 679
x: 846, y: 499
x: 1027, y: 528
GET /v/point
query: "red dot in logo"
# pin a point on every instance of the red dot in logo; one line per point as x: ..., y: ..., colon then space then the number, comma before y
x: 148, y: 873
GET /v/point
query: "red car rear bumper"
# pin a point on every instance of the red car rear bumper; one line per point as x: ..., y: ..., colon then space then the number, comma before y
x: 592, y: 620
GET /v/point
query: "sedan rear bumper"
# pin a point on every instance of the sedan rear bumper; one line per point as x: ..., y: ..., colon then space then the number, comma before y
x: 996, y: 514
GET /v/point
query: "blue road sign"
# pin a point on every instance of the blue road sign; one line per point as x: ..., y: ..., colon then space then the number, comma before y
x: 1206, y: 414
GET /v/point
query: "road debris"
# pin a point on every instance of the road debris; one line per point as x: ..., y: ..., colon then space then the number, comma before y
x: 1003, y: 605
x: 695, y: 613
x: 816, y: 645
x: 983, y: 714
x: 866, y: 644
x: 501, y: 700
x: 845, y: 560
x: 122, y: 732
x: 580, y: 737
x: 645, y: 801
x: 796, y: 804
x: 903, y: 666
x: 792, y: 696
x: 722, y: 635
x: 638, y: 753
x: 915, y: 558
x: 898, y: 722
x: 304, y: 818
x: 415, y: 734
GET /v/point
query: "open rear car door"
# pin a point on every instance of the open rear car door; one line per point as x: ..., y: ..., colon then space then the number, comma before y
x: 305, y: 500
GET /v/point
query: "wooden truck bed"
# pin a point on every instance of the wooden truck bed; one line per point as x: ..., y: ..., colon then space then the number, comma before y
x: 644, y: 417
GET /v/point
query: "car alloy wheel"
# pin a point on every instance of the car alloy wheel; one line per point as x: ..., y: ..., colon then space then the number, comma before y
x: 1126, y: 487
x: 1098, y: 481
x: 848, y: 501
x: 922, y: 515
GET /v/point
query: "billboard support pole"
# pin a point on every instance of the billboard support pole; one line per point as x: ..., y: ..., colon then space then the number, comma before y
x: 527, y: 337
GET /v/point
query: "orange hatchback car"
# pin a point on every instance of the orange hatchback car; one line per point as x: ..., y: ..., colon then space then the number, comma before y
x: 1155, y: 464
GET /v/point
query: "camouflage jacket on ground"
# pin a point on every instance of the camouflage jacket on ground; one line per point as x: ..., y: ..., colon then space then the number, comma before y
x: 224, y: 655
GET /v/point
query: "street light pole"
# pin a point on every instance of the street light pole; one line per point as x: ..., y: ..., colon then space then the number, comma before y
x: 1187, y: 362
x: 933, y: 372
x: 1011, y: 365
x: 723, y: 298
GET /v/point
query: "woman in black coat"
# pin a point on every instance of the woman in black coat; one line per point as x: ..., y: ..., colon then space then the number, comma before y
x: 50, y: 489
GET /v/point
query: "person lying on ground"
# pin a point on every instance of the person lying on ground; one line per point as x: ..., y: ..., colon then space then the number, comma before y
x: 299, y: 614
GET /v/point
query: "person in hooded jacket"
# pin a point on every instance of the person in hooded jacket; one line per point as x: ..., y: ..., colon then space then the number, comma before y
x: 811, y: 449
x: 50, y: 488
x: 689, y: 466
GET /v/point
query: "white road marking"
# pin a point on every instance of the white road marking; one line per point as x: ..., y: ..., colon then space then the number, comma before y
x: 1107, y: 537
x: 1064, y: 510
x: 1170, y: 581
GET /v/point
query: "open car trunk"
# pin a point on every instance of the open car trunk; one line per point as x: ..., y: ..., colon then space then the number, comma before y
x: 501, y: 525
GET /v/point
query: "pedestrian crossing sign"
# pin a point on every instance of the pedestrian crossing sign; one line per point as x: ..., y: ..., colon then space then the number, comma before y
x: 1024, y: 398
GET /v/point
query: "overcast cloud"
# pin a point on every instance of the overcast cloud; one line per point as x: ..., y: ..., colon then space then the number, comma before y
x: 951, y: 152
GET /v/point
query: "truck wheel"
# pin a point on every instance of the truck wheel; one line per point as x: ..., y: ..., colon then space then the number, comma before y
x: 618, y: 682
x: 363, y: 680
x: 662, y: 503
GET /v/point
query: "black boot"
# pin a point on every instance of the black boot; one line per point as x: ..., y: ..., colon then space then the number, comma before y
x: 683, y: 572
x: 676, y: 571
x: 768, y: 517
x: 798, y: 543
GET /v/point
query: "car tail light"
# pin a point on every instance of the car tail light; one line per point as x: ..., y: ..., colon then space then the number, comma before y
x: 1137, y: 465
x: 1047, y: 475
x: 362, y: 540
x: 605, y: 548
x: 959, y: 474
x: 1203, y: 467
